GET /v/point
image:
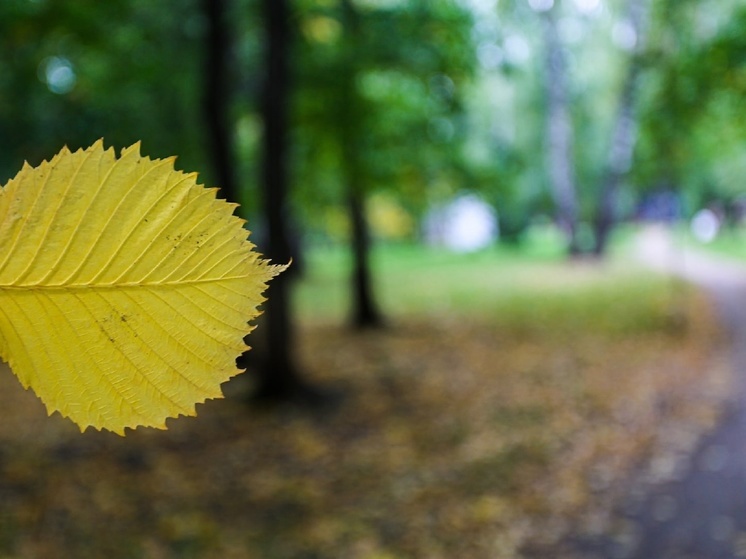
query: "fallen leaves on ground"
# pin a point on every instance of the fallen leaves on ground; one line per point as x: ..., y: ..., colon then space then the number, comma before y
x: 453, y: 438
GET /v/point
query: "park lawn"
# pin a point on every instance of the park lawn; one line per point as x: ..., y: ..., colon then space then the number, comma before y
x: 731, y: 242
x: 503, y: 407
x: 412, y: 279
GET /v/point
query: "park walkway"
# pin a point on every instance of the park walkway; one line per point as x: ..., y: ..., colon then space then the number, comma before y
x: 701, y: 512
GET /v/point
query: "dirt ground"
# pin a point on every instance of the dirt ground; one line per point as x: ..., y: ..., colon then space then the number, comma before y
x: 454, y: 438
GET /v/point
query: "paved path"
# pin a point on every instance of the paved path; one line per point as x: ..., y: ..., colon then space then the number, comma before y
x: 701, y: 514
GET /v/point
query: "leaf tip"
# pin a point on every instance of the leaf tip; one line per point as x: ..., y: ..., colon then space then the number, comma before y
x: 279, y: 268
x: 134, y: 148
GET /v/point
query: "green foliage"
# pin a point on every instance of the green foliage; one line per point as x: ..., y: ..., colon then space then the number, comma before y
x: 693, y: 107
x: 380, y: 98
x: 76, y: 71
x: 413, y: 97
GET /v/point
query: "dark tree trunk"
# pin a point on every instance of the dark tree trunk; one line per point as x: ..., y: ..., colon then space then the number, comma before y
x: 365, y: 312
x: 278, y: 373
x: 560, y: 134
x: 623, y: 135
x: 217, y: 97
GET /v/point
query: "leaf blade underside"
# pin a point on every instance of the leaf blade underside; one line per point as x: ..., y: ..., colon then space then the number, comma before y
x: 126, y: 289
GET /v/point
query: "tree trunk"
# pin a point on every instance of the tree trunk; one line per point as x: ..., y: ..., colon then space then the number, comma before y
x: 560, y: 134
x: 620, y: 156
x: 278, y: 373
x: 623, y: 135
x: 217, y: 97
x: 365, y: 312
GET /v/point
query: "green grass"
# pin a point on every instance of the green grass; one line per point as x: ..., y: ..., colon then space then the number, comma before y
x: 731, y: 243
x: 413, y: 278
x: 531, y: 286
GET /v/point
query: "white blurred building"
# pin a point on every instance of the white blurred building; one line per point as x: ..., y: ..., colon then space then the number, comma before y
x: 705, y: 225
x: 465, y: 224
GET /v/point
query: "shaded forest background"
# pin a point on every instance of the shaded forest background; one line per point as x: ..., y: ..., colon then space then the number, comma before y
x: 413, y: 100
x: 347, y: 121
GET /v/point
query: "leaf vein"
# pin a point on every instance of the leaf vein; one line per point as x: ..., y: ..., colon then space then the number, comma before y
x: 115, y: 252
x: 135, y: 368
x: 76, y: 232
x: 156, y: 324
x: 157, y: 237
x: 12, y: 249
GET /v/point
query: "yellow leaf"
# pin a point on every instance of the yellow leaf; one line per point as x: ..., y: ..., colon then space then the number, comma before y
x: 126, y: 289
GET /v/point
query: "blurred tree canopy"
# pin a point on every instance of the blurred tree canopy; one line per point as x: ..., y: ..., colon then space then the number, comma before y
x: 72, y: 72
x: 390, y: 80
x: 410, y: 100
x: 693, y: 118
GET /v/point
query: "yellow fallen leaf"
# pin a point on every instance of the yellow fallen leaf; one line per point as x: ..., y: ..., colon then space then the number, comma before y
x: 125, y: 287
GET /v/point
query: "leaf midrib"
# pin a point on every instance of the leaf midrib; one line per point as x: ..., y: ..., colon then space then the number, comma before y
x: 121, y: 285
